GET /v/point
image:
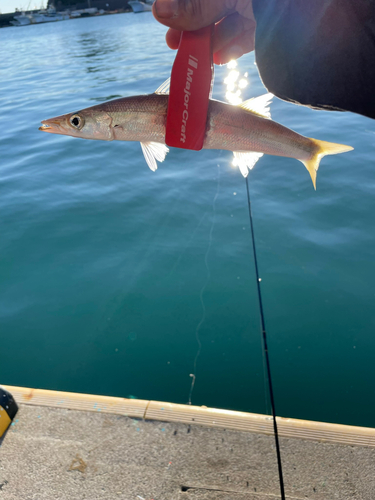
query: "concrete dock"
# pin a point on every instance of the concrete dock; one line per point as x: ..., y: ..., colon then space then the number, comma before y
x: 70, y: 447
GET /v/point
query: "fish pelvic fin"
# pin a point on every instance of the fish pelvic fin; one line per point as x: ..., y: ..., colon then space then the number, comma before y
x: 245, y: 160
x: 322, y: 148
x: 153, y: 151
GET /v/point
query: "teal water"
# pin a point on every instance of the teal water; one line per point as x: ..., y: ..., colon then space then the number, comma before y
x: 104, y: 263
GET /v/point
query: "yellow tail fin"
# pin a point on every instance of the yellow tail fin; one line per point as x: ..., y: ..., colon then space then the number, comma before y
x: 322, y: 148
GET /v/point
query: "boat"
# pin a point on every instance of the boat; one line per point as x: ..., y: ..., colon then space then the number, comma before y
x: 21, y: 20
x: 138, y: 6
x: 48, y: 15
x: 42, y: 16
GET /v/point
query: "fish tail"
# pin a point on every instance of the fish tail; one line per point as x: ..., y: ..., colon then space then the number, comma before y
x: 322, y: 148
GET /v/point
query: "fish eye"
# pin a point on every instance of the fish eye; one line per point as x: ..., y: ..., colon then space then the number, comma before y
x: 77, y: 121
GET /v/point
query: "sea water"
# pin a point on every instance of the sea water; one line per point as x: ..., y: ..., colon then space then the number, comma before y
x: 112, y: 275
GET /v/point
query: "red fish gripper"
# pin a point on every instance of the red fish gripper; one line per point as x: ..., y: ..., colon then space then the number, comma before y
x: 190, y: 88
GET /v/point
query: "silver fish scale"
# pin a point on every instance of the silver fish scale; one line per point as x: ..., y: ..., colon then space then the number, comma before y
x: 143, y: 118
x: 232, y: 128
x: 138, y: 118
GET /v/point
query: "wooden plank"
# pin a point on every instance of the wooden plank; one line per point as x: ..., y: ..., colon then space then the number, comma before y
x: 209, y: 417
x: 262, y: 424
x: 74, y: 401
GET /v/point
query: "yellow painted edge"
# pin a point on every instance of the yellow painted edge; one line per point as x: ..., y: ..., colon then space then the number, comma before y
x: 5, y: 421
x: 211, y: 417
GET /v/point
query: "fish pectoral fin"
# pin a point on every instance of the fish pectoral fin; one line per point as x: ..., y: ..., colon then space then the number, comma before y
x: 322, y: 148
x: 259, y: 105
x: 154, y: 151
x: 164, y: 87
x: 245, y: 160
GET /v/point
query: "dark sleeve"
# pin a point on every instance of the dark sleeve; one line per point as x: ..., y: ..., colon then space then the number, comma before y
x: 319, y: 53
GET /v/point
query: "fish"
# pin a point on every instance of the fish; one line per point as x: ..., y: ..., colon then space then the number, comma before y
x: 245, y: 129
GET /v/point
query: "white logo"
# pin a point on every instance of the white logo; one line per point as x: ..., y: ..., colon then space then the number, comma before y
x: 193, y: 63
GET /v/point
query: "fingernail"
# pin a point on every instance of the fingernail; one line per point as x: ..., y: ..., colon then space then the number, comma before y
x: 166, y: 8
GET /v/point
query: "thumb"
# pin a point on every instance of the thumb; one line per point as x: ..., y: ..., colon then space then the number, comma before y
x: 189, y: 15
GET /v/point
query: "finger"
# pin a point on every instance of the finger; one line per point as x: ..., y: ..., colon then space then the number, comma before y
x: 227, y: 30
x: 236, y: 48
x: 191, y: 15
x: 230, y: 28
x: 173, y: 38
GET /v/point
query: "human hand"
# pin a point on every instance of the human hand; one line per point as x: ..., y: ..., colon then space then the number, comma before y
x: 234, y: 29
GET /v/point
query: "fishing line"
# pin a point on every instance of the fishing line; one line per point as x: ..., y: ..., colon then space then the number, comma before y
x: 208, y: 276
x: 265, y: 346
x: 176, y: 264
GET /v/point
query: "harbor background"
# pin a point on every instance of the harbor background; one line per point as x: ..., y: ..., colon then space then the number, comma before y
x: 104, y: 263
x: 53, y: 10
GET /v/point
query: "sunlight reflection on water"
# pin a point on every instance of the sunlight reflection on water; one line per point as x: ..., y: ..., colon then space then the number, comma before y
x: 234, y: 86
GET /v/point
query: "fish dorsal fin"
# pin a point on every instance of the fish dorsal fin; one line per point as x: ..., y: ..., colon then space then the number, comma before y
x: 245, y: 160
x: 154, y: 151
x: 164, y: 87
x: 259, y: 105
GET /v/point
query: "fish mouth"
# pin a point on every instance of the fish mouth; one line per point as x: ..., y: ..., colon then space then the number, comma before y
x: 44, y: 127
x: 51, y: 126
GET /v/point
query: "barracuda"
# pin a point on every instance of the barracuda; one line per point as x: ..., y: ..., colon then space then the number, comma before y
x: 247, y: 130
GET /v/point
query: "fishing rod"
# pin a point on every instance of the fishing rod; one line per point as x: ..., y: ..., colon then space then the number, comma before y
x: 265, y: 345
